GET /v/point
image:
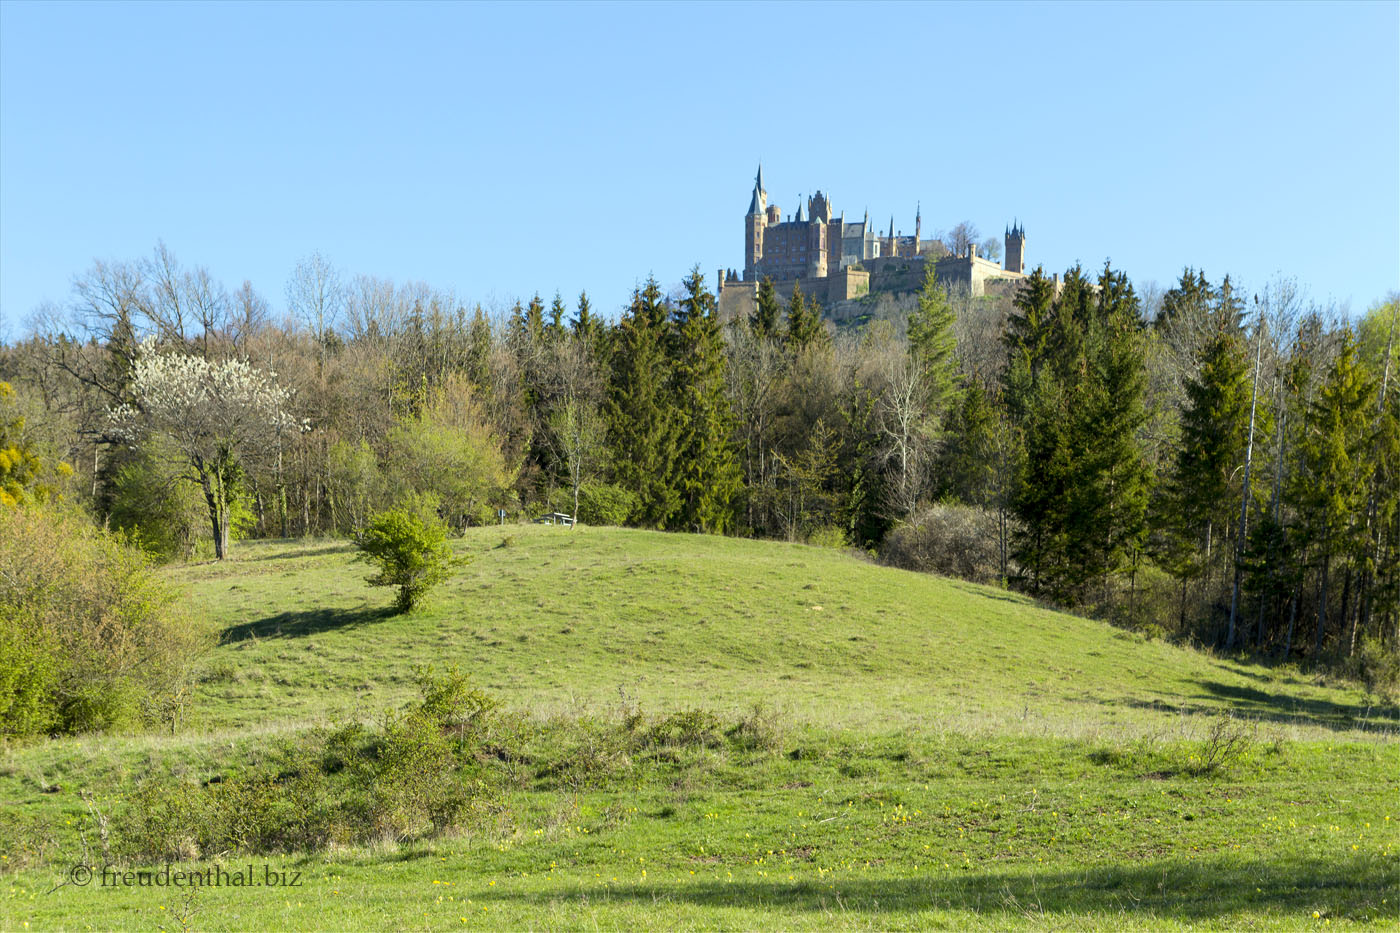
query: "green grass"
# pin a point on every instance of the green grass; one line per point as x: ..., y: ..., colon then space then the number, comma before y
x: 952, y: 755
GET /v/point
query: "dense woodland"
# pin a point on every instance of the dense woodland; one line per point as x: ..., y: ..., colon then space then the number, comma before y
x: 1190, y: 462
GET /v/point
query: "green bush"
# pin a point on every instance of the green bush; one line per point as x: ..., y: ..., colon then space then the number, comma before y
x: 1378, y: 667
x: 151, y: 498
x: 412, y: 777
x: 829, y: 536
x: 410, y: 551
x: 606, y: 504
x: 89, y: 639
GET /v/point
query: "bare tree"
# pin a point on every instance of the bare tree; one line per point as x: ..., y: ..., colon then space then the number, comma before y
x: 961, y: 237
x: 577, y: 432
x: 316, y: 297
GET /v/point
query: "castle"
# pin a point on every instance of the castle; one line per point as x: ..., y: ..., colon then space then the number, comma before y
x: 834, y: 261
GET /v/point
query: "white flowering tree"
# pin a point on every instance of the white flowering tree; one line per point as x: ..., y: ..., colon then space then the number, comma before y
x: 217, y: 414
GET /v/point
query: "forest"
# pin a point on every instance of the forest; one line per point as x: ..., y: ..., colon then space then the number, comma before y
x: 1190, y: 462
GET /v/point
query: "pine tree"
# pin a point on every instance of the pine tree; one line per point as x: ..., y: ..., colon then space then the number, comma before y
x: 934, y: 346
x: 1329, y: 492
x: 1027, y: 341
x: 589, y: 328
x: 1190, y: 299
x: 642, y: 421
x: 1077, y: 376
x: 1202, y: 488
x: 554, y: 330
x: 764, y: 320
x: 534, y: 319
x: 708, y: 468
x: 804, y: 323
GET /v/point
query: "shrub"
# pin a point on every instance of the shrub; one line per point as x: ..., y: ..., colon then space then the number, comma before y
x: 1378, y: 667
x: 408, y: 779
x: 1227, y: 742
x: 761, y: 729
x: 953, y: 540
x: 153, y: 500
x: 410, y: 551
x: 691, y: 727
x: 829, y: 536
x: 606, y: 504
x: 89, y: 639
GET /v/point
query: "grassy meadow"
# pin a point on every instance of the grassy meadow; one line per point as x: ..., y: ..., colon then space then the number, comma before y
x: 932, y: 753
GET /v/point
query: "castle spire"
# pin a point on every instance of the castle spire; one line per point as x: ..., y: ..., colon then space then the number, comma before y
x: 759, y: 202
x: 891, y: 226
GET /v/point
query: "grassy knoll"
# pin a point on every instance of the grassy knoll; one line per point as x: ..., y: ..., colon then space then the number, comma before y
x: 943, y: 755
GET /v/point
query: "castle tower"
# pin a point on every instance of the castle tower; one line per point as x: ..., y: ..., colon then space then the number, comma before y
x: 1016, y: 249
x: 754, y: 222
x: 816, y: 249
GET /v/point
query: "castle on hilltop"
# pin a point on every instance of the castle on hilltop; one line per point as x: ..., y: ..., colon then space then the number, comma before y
x: 835, y: 261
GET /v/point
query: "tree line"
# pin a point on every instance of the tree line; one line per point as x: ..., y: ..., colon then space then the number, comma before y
x: 1188, y: 461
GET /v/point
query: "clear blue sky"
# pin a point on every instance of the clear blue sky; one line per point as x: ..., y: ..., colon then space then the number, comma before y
x: 502, y: 150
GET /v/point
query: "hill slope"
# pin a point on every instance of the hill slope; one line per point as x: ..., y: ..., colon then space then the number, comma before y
x: 560, y: 619
x: 952, y: 756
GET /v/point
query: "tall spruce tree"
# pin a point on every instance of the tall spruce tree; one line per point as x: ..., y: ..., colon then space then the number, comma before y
x: 642, y: 420
x: 708, y: 475
x: 1329, y: 492
x: 933, y: 345
x: 804, y: 323
x: 1077, y: 376
x: 1203, y: 486
x: 766, y: 312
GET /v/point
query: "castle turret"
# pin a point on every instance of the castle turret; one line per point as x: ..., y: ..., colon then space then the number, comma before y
x: 754, y: 222
x: 1016, y: 249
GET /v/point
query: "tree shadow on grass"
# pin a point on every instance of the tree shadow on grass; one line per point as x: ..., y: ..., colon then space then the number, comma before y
x: 311, y: 550
x: 305, y: 623
x: 1206, y: 891
x: 1284, y: 708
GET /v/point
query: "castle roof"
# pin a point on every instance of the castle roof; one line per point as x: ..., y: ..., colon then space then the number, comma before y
x: 759, y: 195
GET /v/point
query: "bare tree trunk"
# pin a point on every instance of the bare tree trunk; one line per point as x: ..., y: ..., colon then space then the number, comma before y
x: 1244, y: 498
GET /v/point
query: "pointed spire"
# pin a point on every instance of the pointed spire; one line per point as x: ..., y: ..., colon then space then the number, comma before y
x: 797, y: 218
x: 891, y: 226
x: 760, y: 197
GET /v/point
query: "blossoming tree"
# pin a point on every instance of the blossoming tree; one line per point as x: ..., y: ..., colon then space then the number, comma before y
x: 217, y: 414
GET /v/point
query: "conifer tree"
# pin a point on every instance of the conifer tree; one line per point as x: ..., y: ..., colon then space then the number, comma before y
x: 1201, y: 490
x: 555, y: 328
x: 1329, y: 492
x: 764, y: 320
x: 534, y: 320
x: 933, y: 345
x: 1077, y: 376
x: 708, y: 473
x: 642, y: 421
x: 804, y: 323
